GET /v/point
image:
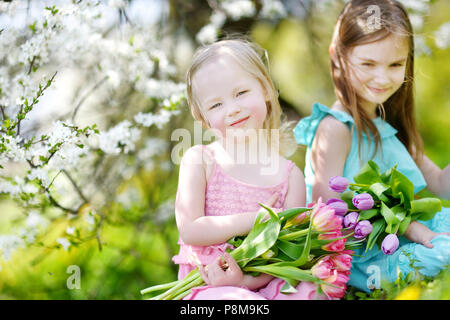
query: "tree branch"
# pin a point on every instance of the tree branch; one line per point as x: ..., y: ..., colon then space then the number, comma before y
x: 98, y: 84
x: 72, y: 181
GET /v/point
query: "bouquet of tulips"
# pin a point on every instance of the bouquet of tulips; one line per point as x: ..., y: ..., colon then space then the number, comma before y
x: 298, y: 244
x: 380, y: 206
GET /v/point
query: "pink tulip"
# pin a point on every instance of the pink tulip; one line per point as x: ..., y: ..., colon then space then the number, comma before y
x: 335, y: 246
x: 342, y: 262
x: 324, y: 269
x: 324, y: 218
x: 340, y: 282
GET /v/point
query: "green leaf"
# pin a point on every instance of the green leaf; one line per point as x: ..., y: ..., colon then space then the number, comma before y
x: 347, y: 196
x: 378, y: 227
x: 292, y: 250
x: 7, y: 123
x: 401, y: 187
x: 389, y: 217
x: 290, y: 213
x: 427, y: 207
x: 399, y: 212
x: 289, y: 286
x: 369, y: 174
x: 378, y: 189
x: 305, y: 254
x: 260, y: 239
x: 404, y: 225
x: 284, y: 272
x: 367, y: 214
x: 236, y: 241
x: 386, y: 176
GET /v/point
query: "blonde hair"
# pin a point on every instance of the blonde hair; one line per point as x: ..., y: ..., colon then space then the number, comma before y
x: 254, y: 60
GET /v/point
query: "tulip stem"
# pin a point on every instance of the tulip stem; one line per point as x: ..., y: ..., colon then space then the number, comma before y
x: 181, y: 284
x: 159, y: 287
x: 188, y: 290
x: 360, y: 185
x: 294, y: 235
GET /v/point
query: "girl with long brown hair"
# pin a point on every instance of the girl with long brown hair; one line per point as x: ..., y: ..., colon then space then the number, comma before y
x: 372, y: 67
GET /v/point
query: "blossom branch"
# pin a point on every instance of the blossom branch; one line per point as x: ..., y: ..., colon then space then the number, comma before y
x: 28, y: 108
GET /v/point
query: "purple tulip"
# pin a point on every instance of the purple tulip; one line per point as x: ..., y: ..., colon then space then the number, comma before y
x: 362, y: 229
x: 390, y: 244
x: 338, y: 184
x: 363, y: 201
x: 350, y: 220
x: 340, y: 207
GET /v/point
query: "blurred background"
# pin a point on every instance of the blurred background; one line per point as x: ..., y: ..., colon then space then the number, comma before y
x: 116, y: 211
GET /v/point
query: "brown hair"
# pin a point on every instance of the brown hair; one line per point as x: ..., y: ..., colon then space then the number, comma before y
x: 254, y: 60
x: 352, y: 30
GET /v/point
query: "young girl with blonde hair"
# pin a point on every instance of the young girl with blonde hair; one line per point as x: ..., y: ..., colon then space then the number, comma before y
x: 230, y: 92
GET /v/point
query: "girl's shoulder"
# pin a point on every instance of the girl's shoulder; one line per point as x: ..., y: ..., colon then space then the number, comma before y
x: 193, y: 155
x: 197, y: 155
x: 334, y: 121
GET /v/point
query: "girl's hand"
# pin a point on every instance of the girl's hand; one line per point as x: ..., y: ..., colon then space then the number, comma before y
x: 224, y: 272
x: 420, y: 233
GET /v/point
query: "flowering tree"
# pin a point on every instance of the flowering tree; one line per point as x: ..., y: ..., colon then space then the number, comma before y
x: 41, y: 165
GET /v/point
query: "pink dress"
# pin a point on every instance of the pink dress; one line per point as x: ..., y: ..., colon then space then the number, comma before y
x: 226, y: 195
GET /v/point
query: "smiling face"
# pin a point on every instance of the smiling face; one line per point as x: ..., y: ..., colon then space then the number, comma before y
x: 378, y: 69
x: 228, y: 96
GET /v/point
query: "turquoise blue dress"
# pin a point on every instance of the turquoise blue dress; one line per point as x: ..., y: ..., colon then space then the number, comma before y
x: 367, y: 266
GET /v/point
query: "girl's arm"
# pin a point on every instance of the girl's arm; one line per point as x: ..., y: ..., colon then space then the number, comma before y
x: 329, y: 152
x: 296, y: 194
x: 195, y: 228
x: 438, y: 180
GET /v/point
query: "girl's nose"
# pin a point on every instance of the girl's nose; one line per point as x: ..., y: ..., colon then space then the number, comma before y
x: 381, y: 77
x: 233, y: 109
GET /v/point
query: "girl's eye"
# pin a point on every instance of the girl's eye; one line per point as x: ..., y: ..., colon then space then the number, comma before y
x: 215, y: 106
x: 396, y: 65
x: 240, y: 93
x: 367, y: 64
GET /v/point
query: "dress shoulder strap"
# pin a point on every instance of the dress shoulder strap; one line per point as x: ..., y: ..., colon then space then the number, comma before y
x: 306, y: 128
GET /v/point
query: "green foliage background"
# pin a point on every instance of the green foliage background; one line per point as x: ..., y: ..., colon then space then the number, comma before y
x: 136, y: 246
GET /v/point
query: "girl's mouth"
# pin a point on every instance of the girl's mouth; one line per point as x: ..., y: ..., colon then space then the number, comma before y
x: 240, y: 122
x: 377, y: 90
